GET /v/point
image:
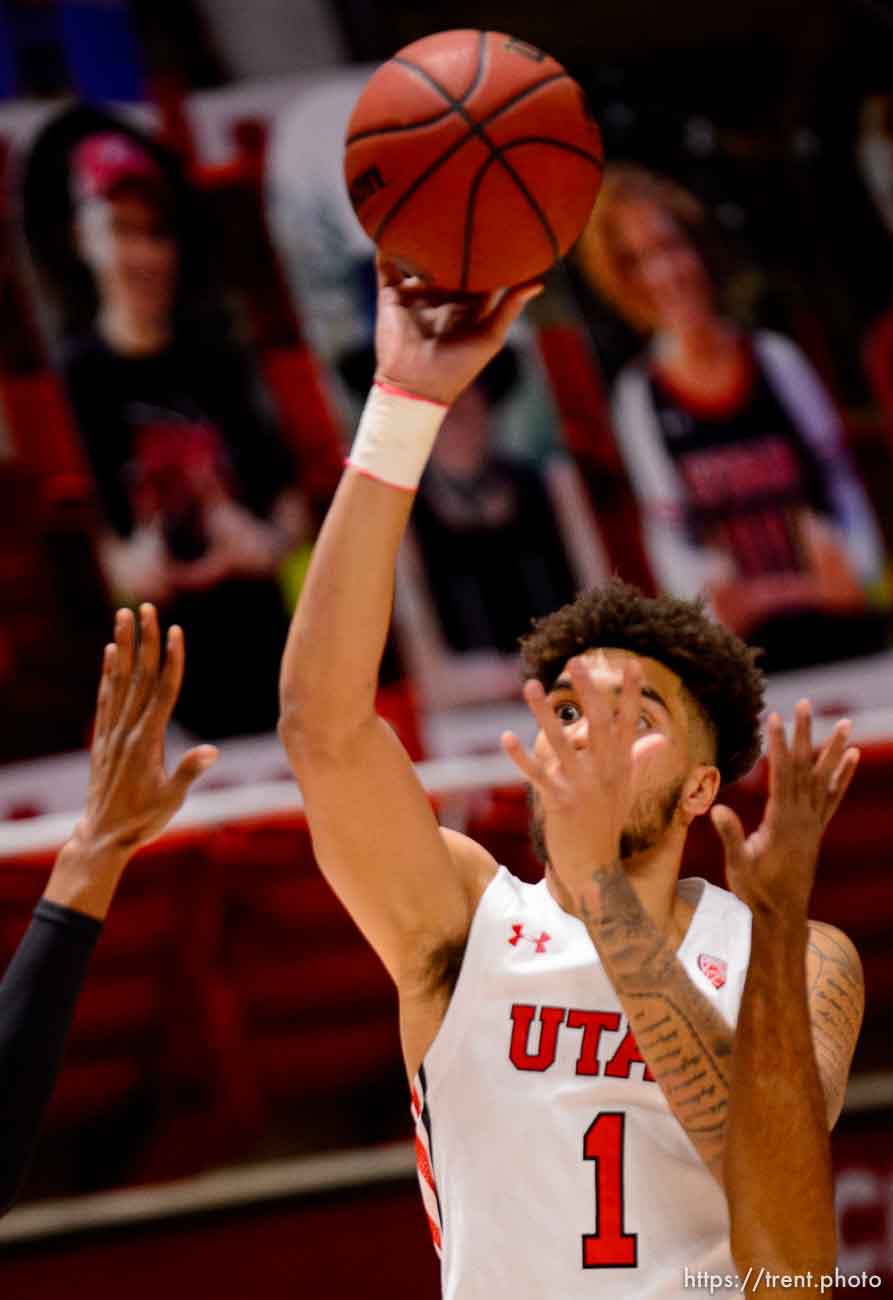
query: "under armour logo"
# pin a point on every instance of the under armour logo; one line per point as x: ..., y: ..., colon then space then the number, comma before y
x: 539, y: 943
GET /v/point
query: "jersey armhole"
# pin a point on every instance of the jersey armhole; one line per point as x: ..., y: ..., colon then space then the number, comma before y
x: 440, y: 1054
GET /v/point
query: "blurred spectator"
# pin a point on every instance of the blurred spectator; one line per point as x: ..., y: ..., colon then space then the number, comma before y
x: 734, y: 448
x: 196, y: 490
x: 494, y: 543
x: 324, y: 251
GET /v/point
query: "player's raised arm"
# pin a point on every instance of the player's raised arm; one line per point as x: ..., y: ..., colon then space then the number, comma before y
x: 800, y: 1014
x: 373, y: 830
x: 130, y: 800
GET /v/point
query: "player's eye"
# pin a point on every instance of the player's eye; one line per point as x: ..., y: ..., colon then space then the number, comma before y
x: 568, y: 713
x: 644, y: 723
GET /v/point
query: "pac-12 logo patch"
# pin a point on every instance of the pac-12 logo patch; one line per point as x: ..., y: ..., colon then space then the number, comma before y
x: 539, y: 941
x: 714, y: 968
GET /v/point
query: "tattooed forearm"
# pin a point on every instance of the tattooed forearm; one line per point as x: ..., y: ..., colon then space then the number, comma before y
x: 836, y: 1002
x: 685, y: 1042
x: 690, y: 1063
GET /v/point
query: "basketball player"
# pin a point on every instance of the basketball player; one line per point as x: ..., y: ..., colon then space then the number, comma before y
x: 581, y: 1095
x: 130, y: 800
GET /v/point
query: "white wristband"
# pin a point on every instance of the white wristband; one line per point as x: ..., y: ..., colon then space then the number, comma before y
x: 395, y: 436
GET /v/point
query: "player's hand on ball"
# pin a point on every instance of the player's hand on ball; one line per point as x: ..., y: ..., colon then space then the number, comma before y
x: 434, y: 343
x: 582, y: 769
x: 773, y: 870
x: 130, y: 798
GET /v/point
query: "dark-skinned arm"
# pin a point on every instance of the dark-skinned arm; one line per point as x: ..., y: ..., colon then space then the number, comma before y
x: 797, y: 1028
x: 798, y: 1020
x: 129, y: 802
x: 778, y: 1159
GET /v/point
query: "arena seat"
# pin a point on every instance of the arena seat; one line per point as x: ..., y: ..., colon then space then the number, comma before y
x: 146, y: 1032
x: 318, y: 1012
x: 48, y: 673
x: 232, y: 996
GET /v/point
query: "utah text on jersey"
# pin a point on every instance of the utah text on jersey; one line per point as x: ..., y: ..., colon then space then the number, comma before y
x: 549, y: 1161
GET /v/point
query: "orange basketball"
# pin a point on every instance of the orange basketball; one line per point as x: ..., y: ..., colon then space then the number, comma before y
x: 472, y: 159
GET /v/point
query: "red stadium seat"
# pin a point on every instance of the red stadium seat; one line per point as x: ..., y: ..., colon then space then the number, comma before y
x: 318, y: 1014
x: 146, y: 1028
x: 48, y: 657
x: 231, y: 996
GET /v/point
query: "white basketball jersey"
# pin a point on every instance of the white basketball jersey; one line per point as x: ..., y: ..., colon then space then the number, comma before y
x: 550, y: 1164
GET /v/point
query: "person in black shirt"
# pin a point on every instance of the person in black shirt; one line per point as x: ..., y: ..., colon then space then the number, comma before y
x: 196, y: 491
x: 487, y: 551
x: 130, y: 800
x: 733, y: 447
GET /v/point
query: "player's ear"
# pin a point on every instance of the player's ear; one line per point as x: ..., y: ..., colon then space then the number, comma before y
x: 700, y: 790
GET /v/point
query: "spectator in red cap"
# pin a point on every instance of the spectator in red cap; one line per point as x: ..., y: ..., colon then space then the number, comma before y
x: 196, y: 490
x: 108, y: 159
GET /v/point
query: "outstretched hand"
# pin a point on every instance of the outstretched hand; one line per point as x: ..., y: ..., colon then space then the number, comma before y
x: 582, y: 772
x: 130, y: 797
x: 434, y: 342
x: 773, y: 870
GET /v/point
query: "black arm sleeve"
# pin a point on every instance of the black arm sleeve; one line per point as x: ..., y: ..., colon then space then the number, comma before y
x: 37, y: 999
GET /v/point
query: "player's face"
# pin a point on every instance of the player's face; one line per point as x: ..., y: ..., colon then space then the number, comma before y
x: 128, y: 245
x: 658, y: 784
x: 661, y: 264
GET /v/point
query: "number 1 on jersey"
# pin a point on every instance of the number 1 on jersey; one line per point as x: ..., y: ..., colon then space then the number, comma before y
x: 609, y: 1246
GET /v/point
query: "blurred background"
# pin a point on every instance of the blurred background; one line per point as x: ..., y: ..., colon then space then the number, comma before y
x: 186, y: 316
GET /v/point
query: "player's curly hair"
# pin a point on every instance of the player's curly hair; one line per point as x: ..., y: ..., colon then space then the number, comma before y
x: 716, y: 667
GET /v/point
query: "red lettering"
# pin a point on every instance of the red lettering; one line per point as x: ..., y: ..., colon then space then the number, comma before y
x: 735, y: 473
x: 592, y: 1023
x: 550, y: 1022
x: 627, y: 1054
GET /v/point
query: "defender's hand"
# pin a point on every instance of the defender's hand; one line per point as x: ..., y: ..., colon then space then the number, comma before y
x: 130, y: 798
x: 434, y: 343
x: 773, y: 870
x: 582, y: 771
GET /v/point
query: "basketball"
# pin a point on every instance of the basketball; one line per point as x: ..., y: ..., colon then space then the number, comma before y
x: 472, y: 160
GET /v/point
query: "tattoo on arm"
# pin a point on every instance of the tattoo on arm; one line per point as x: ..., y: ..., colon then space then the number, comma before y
x: 686, y: 1043
x: 836, y: 995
